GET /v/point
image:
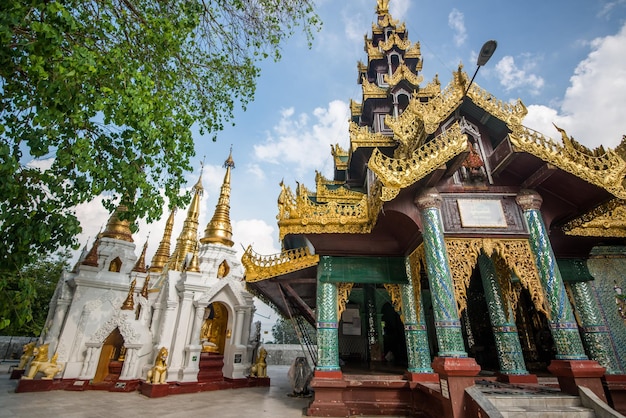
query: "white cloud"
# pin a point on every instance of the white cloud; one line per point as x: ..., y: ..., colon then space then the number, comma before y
x: 512, y: 77
x: 257, y: 233
x: 456, y: 22
x: 608, y: 7
x: 302, y: 143
x: 399, y: 8
x: 593, y: 107
x: 42, y: 165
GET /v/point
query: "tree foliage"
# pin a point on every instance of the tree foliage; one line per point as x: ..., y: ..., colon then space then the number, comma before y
x: 284, y: 332
x: 99, y: 97
x: 25, y: 295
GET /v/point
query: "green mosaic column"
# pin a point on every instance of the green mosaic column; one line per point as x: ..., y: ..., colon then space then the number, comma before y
x: 502, y: 321
x: 596, y: 335
x: 563, y: 326
x: 327, y: 321
x: 447, y: 322
x: 418, y: 352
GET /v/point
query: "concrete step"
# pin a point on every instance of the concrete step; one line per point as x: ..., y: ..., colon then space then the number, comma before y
x: 537, y: 406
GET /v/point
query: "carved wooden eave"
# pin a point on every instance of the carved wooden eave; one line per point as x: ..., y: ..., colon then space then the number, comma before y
x: 606, y: 171
x: 340, y: 157
x: 388, y: 21
x: 309, y: 217
x: 414, y: 51
x: 324, y: 194
x: 441, y: 106
x: 430, y: 90
x: 362, y: 136
x: 408, y: 131
x: 403, y: 73
x: 394, y: 40
x: 373, y: 52
x: 607, y: 220
x: 396, y: 174
x: 355, y: 108
x: 262, y: 267
x: 372, y: 91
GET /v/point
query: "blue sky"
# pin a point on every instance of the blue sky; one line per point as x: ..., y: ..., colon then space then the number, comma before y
x: 566, y: 60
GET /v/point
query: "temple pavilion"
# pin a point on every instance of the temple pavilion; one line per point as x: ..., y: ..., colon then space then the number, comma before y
x: 451, y: 244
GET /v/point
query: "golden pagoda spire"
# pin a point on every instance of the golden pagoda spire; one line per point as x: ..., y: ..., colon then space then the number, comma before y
x: 188, y: 238
x: 129, y: 303
x: 146, y: 286
x: 140, y: 265
x: 116, y: 228
x: 91, y: 259
x: 163, y: 252
x: 382, y: 7
x: 194, y: 265
x: 219, y: 230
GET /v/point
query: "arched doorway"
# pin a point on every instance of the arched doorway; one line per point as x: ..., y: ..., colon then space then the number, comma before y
x: 111, y: 358
x: 214, y: 328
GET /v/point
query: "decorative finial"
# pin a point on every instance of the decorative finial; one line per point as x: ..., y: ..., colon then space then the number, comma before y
x: 146, y: 285
x: 219, y: 229
x: 382, y: 8
x: 140, y: 265
x: 163, y: 252
x: 129, y: 303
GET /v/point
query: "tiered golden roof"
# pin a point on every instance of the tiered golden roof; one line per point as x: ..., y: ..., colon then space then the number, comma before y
x: 162, y: 254
x: 219, y: 229
x: 188, y: 238
x: 140, y: 265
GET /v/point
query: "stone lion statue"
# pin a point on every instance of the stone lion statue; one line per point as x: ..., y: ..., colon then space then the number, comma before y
x: 28, y: 351
x: 259, y: 369
x: 158, y: 373
x: 41, y: 364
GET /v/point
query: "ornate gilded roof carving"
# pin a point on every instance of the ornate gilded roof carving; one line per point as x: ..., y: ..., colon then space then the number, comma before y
x: 340, y: 157
x: 261, y: 267
x: 355, y: 108
x: 408, y: 130
x: 400, y: 173
x: 606, y: 171
x: 373, y: 52
x: 388, y: 21
x: 516, y: 253
x: 415, y: 51
x: 395, y: 40
x: 606, y: 220
x: 340, y: 194
x: 362, y: 136
x: 441, y: 106
x: 372, y: 91
x: 403, y: 73
x: 298, y: 214
x: 431, y: 89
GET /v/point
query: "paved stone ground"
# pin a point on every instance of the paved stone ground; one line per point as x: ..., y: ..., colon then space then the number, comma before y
x: 263, y: 402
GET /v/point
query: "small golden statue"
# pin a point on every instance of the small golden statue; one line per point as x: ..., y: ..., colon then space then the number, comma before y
x: 158, y: 373
x: 40, y: 364
x: 28, y: 352
x: 259, y: 369
x: 212, y: 332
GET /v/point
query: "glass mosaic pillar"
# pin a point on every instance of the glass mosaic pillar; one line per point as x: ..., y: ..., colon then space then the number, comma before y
x: 418, y: 352
x: 508, y: 346
x: 327, y: 320
x: 445, y: 311
x: 596, y: 337
x: 563, y: 325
